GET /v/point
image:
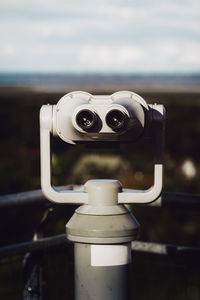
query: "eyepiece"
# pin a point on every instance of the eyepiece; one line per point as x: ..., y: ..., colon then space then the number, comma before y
x: 116, y: 119
x: 86, y: 119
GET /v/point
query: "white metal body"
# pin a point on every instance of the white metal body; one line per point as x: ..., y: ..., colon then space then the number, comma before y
x: 60, y: 120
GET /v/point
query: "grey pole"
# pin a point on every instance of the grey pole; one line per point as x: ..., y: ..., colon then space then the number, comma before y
x: 104, y: 281
x: 102, y: 231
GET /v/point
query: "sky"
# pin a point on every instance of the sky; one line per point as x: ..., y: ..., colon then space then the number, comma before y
x: 107, y: 36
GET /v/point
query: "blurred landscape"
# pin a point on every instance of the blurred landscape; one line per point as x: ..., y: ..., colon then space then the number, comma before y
x: 22, y: 95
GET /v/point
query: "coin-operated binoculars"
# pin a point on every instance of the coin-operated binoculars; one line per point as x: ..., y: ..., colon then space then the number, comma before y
x: 102, y: 228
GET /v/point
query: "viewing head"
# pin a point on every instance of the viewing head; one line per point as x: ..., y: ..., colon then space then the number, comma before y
x: 82, y: 117
x: 122, y: 117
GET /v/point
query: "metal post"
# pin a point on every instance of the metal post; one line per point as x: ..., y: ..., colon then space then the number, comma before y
x: 102, y: 271
x: 102, y: 231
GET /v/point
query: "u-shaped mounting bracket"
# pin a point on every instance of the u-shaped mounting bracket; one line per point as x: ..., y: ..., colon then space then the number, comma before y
x: 80, y: 197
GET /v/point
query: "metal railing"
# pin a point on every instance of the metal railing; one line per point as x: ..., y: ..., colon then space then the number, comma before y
x: 168, y: 200
x: 60, y: 240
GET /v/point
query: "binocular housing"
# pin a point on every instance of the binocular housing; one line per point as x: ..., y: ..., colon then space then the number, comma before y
x: 121, y: 117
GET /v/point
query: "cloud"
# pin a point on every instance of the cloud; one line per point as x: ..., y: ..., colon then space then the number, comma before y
x: 109, y: 57
x: 110, y: 35
x: 191, y: 55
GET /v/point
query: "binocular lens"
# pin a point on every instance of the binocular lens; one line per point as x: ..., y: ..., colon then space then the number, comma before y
x: 86, y: 119
x: 116, y: 119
